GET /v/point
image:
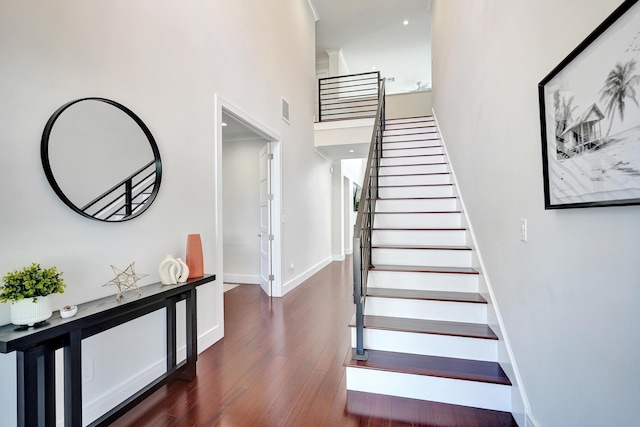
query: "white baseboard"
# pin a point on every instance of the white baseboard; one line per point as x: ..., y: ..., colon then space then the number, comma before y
x: 338, y: 258
x: 242, y: 278
x: 292, y: 284
x: 105, y: 402
x: 206, y: 340
x: 530, y: 421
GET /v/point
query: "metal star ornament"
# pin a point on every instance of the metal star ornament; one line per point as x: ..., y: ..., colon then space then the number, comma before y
x: 125, y: 280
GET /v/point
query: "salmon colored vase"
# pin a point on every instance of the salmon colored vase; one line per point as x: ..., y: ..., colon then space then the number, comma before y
x: 194, y: 256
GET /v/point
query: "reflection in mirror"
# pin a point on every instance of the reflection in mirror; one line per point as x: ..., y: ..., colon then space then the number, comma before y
x: 101, y: 159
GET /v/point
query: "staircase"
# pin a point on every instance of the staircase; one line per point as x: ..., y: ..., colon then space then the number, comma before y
x: 425, y: 325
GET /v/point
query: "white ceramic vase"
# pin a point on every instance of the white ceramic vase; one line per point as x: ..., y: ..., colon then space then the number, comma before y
x: 27, y: 312
x: 168, y: 270
x: 184, y: 271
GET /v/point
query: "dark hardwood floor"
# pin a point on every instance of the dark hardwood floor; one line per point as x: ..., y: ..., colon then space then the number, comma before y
x: 281, y: 364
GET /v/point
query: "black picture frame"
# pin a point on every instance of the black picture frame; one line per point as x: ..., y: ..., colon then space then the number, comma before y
x: 590, y: 118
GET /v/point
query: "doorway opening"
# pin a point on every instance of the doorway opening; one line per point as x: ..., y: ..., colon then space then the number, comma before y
x: 248, y: 189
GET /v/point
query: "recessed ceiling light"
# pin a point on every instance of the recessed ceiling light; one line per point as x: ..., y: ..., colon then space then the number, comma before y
x: 352, y: 151
x: 405, y: 22
x: 373, y: 68
x: 223, y: 124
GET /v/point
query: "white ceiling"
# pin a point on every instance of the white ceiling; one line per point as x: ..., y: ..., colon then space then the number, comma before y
x: 234, y: 130
x: 371, y: 34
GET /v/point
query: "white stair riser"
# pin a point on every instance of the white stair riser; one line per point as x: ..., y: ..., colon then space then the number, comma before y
x: 424, y: 257
x: 420, y: 237
x: 409, y: 135
x: 417, y: 220
x: 449, y: 311
x: 401, y: 161
x: 431, y: 179
x: 429, y: 344
x: 415, y: 191
x: 427, y: 156
x: 435, y: 145
x: 417, y: 205
x: 410, y: 128
x: 389, y: 168
x: 423, y: 281
x: 408, y: 123
x: 457, y: 392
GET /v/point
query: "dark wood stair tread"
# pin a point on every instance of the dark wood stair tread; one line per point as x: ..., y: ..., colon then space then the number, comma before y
x: 410, y: 164
x: 420, y: 212
x: 424, y: 269
x: 449, y: 184
x: 426, y: 129
x: 435, y: 366
x: 417, y: 198
x: 413, y: 119
x: 420, y: 294
x: 423, y: 326
x: 411, y: 148
x: 423, y: 247
x: 418, y: 229
x: 415, y: 174
x: 421, y: 413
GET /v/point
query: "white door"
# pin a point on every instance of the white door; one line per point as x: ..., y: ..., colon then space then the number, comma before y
x: 266, y: 235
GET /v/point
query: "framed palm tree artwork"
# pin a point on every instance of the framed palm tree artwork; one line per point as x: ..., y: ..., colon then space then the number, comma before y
x: 590, y: 118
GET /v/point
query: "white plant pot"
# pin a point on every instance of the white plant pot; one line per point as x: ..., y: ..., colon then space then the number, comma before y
x: 27, y: 312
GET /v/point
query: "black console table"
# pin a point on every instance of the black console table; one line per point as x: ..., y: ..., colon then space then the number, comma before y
x: 35, y: 351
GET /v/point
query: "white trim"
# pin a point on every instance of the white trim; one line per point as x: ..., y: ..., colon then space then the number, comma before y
x: 276, y: 149
x: 521, y: 406
x: 205, y: 340
x: 292, y: 284
x: 244, y: 279
x: 322, y: 155
x: 344, y: 124
x: 338, y: 258
x: 314, y: 12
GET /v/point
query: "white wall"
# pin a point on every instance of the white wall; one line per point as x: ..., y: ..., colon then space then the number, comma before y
x: 409, y: 104
x: 241, y: 211
x: 569, y: 297
x: 165, y: 61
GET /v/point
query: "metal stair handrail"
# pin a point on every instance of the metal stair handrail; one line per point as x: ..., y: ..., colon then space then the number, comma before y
x: 364, y: 225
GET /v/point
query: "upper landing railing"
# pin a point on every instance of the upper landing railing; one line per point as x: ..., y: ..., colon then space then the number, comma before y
x: 354, y: 96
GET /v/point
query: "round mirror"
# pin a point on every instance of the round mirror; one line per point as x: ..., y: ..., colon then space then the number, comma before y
x: 101, y: 159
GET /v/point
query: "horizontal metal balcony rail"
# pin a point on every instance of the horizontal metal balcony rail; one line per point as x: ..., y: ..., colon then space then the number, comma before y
x: 353, y: 96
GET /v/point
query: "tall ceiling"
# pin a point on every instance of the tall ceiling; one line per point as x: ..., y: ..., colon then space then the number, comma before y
x: 371, y: 34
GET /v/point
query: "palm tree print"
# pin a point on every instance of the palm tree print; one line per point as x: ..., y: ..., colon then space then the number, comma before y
x: 618, y: 86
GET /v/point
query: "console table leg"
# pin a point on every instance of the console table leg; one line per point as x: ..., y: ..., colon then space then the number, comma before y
x: 171, y: 335
x: 36, y: 386
x: 73, y: 380
x: 192, y: 334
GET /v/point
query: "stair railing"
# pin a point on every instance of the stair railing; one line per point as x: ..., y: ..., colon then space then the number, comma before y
x: 353, y: 96
x: 133, y: 191
x: 364, y: 226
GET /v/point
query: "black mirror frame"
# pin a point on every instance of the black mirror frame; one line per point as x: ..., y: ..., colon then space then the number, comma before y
x: 44, y: 155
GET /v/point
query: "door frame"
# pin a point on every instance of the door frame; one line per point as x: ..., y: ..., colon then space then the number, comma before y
x: 275, y: 140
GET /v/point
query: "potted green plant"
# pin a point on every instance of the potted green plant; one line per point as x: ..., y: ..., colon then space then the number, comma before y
x: 28, y: 291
